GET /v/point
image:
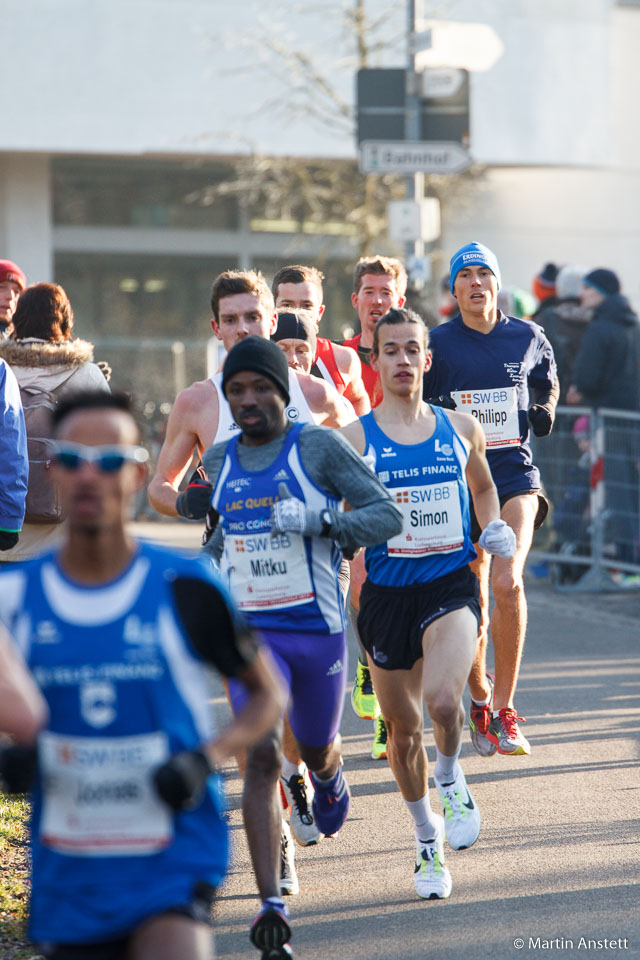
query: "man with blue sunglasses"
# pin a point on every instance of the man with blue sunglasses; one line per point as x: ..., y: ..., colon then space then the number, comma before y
x: 129, y: 840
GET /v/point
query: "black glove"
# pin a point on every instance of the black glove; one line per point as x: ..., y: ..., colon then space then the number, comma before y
x: 444, y: 401
x: 210, y: 524
x: 18, y: 768
x: 8, y: 539
x: 193, y: 502
x: 181, y: 781
x: 541, y: 420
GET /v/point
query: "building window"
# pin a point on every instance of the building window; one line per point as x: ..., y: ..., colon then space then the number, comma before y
x: 141, y: 193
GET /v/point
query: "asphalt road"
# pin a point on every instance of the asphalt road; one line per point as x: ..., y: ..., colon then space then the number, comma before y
x: 556, y: 869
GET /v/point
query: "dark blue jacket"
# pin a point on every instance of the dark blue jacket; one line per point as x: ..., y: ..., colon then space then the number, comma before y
x: 607, y: 368
x: 14, y: 463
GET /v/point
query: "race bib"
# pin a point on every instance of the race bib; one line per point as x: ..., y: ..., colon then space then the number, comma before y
x: 268, y: 572
x: 432, y: 520
x: 98, y: 798
x: 496, y: 411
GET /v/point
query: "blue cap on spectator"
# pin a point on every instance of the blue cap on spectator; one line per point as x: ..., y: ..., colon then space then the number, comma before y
x: 604, y: 281
x: 473, y: 254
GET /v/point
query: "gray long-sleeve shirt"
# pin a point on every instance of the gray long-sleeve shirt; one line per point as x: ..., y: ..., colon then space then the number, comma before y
x: 335, y: 467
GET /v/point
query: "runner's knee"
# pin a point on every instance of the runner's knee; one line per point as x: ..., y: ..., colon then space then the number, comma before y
x: 316, y: 758
x: 444, y: 707
x: 506, y: 586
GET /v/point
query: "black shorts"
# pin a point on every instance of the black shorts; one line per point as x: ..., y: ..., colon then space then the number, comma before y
x: 541, y: 515
x: 392, y: 619
x: 198, y: 910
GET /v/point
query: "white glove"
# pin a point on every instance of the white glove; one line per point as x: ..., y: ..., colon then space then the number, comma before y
x: 290, y: 515
x: 498, y: 537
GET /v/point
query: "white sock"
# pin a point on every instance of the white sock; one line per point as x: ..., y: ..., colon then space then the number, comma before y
x: 446, y: 768
x: 482, y: 703
x: 290, y: 769
x: 424, y: 823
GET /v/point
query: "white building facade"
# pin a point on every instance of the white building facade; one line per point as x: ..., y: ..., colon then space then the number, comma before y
x: 120, y: 111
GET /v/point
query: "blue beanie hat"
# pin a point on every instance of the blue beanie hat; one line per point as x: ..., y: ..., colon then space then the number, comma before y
x: 473, y: 254
x: 604, y: 281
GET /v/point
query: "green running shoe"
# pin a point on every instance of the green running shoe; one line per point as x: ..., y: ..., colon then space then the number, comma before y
x: 379, y: 745
x: 363, y: 696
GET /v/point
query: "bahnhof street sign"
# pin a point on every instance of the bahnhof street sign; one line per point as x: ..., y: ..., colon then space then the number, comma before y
x: 407, y: 156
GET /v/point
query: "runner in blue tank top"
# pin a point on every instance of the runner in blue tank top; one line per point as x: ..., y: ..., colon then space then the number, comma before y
x: 278, y: 489
x: 419, y: 609
x: 128, y: 837
x: 501, y: 370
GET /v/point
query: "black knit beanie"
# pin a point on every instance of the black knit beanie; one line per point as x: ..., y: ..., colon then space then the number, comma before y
x: 261, y: 356
x: 295, y: 326
x: 604, y: 281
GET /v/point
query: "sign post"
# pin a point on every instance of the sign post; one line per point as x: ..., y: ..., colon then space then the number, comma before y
x: 415, y: 121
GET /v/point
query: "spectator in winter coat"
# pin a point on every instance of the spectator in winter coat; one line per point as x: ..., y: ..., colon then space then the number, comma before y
x: 544, y: 288
x: 565, y: 321
x: 607, y: 374
x: 46, y: 360
x: 607, y: 368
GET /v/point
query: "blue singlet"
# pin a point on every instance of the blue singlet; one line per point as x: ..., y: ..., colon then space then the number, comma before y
x: 286, y: 582
x: 125, y: 689
x: 428, y: 483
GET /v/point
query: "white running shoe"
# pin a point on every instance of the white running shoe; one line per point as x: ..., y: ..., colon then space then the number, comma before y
x: 289, y: 885
x: 431, y: 875
x: 461, y: 815
x: 298, y: 790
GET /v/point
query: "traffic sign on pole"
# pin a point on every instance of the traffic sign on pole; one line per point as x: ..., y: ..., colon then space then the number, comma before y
x: 443, y: 82
x: 437, y: 109
x: 404, y: 221
x: 472, y: 46
x: 411, y: 220
x: 405, y: 157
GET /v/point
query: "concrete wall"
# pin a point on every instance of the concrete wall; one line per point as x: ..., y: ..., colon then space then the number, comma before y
x: 580, y: 215
x: 25, y: 214
x: 208, y: 76
x: 162, y: 77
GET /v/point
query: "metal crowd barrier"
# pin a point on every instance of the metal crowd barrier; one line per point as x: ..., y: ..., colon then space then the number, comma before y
x: 590, y: 464
x: 590, y: 467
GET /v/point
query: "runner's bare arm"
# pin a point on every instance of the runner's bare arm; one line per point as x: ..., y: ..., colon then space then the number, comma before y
x: 23, y: 711
x: 350, y: 367
x: 481, y: 485
x: 326, y: 403
x: 177, y: 450
x: 354, y: 433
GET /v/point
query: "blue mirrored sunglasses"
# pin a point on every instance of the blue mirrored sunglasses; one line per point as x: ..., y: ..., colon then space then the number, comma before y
x: 108, y: 459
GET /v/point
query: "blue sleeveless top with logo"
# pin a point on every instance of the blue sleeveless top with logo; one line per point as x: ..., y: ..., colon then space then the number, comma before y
x: 427, y: 482
x: 125, y: 690
x: 284, y: 582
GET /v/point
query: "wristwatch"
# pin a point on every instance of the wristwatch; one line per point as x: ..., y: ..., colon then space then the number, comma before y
x: 327, y: 520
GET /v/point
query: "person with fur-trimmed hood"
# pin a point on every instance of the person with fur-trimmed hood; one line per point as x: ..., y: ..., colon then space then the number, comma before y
x: 46, y: 359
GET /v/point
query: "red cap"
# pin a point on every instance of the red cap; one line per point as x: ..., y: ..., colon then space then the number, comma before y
x: 11, y: 271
